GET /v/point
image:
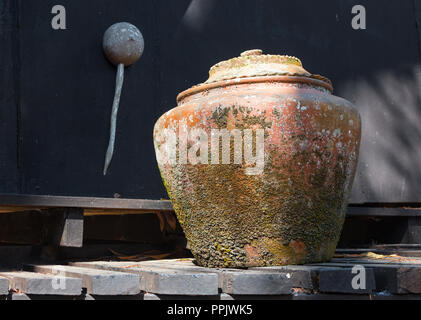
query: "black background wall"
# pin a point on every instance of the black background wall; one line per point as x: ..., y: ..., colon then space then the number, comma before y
x: 56, y: 87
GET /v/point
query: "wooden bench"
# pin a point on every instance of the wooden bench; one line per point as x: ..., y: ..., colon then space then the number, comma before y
x: 59, y: 220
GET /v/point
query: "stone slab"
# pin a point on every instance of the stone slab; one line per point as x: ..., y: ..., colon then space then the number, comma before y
x: 347, y: 280
x: 257, y: 283
x: 96, y: 282
x: 4, y: 286
x: 161, y: 280
x: 185, y: 265
x: 303, y: 277
x: 394, y: 278
x: 299, y: 276
x: 413, y: 261
x: 40, y: 284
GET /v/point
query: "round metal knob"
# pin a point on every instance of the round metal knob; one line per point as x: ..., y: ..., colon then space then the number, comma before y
x: 123, y: 44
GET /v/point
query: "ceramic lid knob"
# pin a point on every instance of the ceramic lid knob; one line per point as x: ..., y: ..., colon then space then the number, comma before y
x: 254, y: 52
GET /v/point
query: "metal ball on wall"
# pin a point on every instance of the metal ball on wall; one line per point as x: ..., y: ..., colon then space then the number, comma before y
x: 123, y: 45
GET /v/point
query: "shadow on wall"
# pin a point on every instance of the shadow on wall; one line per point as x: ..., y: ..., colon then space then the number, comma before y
x: 196, y: 14
x: 390, y: 108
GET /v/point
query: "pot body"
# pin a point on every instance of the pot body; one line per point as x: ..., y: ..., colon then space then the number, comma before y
x: 291, y: 210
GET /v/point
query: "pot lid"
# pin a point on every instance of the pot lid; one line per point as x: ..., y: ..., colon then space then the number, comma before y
x: 253, y: 63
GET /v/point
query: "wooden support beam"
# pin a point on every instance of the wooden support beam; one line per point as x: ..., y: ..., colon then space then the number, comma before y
x: 64, y: 227
x: 113, y: 206
x: 16, y: 203
x: 414, y: 230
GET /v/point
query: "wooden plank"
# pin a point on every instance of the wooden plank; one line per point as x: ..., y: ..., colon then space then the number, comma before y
x: 233, y: 280
x: 257, y: 283
x: 397, y: 246
x: 64, y: 227
x: 296, y: 276
x: 185, y: 265
x: 96, y: 282
x: 4, y: 286
x: 327, y: 278
x: 263, y: 280
x: 414, y: 230
x: 86, y: 212
x: 362, y: 211
x: 392, y: 278
x: 117, y: 212
x: 400, y: 261
x: 161, y: 280
x: 30, y: 202
x: 340, y: 280
x: 303, y: 276
x: 385, y: 250
x: 40, y: 284
x: 117, y: 206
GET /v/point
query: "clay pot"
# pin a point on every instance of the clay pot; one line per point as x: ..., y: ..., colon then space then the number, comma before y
x: 285, y: 208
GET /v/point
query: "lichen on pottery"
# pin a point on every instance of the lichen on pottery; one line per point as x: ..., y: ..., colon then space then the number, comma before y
x: 259, y: 162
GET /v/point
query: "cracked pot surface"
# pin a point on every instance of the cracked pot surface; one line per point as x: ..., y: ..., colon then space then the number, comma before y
x: 292, y: 211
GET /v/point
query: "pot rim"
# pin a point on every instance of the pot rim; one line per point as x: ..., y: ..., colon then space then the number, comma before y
x: 316, y: 80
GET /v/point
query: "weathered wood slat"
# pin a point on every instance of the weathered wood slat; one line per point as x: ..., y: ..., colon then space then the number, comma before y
x: 14, y: 202
x: 392, y: 278
x: 64, y: 227
x: 96, y: 282
x: 368, y: 211
x: 182, y: 278
x: 386, y: 260
x: 405, y: 250
x: 101, y: 206
x: 303, y: 277
x: 340, y: 280
x: 161, y: 280
x: 40, y: 284
x: 235, y: 281
x: 241, y: 282
x: 327, y: 278
x: 4, y: 286
x: 254, y: 282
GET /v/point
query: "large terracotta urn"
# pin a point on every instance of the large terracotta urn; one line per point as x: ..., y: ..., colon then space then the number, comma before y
x: 259, y: 162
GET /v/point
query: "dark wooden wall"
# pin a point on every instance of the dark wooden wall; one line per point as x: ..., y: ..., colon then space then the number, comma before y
x: 56, y: 87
